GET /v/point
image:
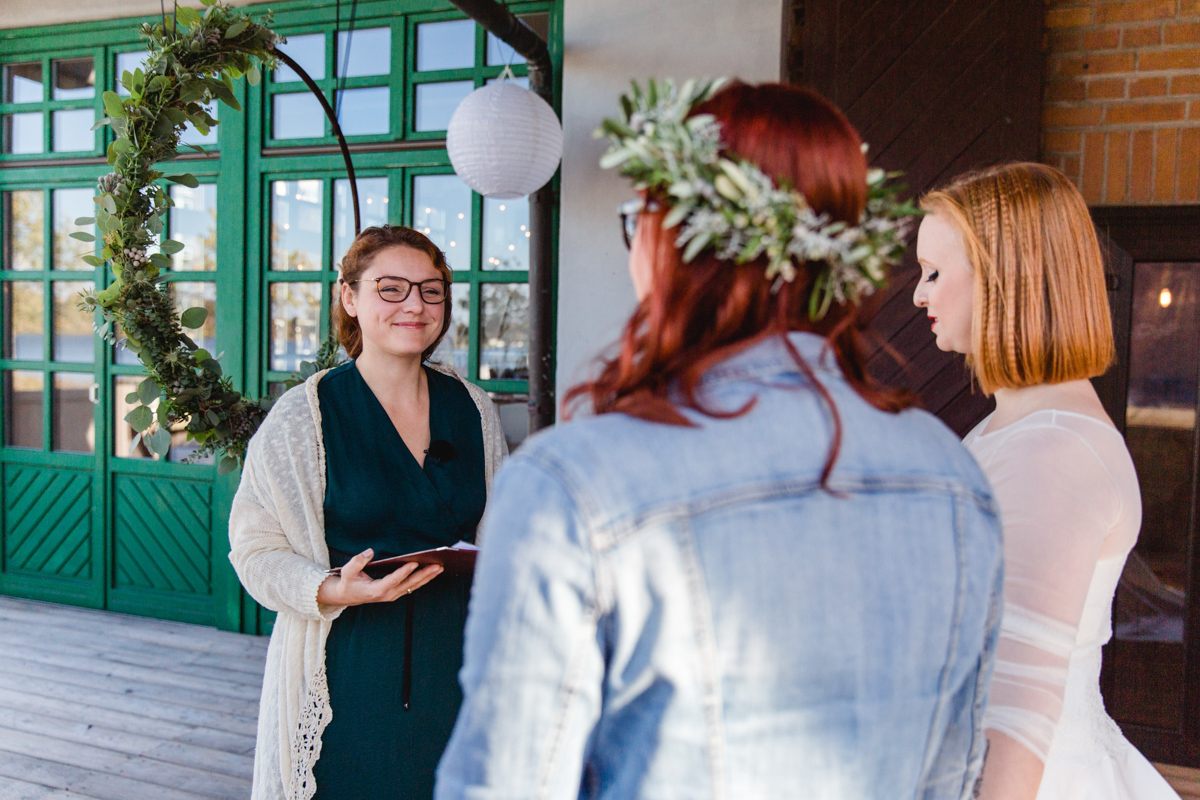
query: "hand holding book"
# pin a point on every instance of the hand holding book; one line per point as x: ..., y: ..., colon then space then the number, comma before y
x: 362, y: 580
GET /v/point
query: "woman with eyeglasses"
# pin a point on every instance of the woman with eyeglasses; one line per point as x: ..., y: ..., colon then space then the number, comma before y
x: 384, y: 455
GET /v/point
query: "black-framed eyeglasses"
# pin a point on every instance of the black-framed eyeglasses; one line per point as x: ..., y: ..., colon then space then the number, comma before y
x: 396, y: 290
x: 629, y: 211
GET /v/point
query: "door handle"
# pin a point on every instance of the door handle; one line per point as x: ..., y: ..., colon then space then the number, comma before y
x: 94, y: 394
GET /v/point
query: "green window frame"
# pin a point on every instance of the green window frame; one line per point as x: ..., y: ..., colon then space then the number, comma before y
x: 48, y: 107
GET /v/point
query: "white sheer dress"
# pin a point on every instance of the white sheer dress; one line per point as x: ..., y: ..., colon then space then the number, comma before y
x: 1071, y: 508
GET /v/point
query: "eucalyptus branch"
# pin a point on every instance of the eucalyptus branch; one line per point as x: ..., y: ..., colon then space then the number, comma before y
x: 193, y: 58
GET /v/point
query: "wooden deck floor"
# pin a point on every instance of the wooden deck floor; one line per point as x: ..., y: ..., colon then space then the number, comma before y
x: 113, y: 707
x: 101, y: 706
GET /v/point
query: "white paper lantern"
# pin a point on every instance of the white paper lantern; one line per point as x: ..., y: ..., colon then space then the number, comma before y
x: 504, y: 141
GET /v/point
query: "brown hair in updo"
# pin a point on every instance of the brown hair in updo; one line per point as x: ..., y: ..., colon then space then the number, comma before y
x: 358, y: 258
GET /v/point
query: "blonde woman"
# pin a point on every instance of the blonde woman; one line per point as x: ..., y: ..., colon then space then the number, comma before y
x: 1012, y: 276
x: 380, y: 456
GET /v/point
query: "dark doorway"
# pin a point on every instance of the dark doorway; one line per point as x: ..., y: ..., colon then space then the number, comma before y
x: 1151, y: 677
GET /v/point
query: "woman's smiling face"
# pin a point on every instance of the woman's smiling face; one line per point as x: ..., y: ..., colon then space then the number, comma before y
x: 401, y: 329
x: 946, y: 289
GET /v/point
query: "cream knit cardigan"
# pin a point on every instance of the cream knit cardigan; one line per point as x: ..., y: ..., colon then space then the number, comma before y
x: 277, y: 546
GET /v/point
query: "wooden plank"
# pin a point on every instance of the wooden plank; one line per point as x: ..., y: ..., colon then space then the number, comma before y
x: 146, y: 676
x: 13, y: 789
x: 12, y: 703
x: 1183, y: 780
x: 118, y: 741
x: 242, y: 670
x: 121, y: 701
x: 99, y: 761
x: 247, y: 709
x: 174, y: 634
x: 85, y: 783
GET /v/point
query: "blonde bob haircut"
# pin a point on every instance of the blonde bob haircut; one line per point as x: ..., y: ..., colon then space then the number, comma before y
x: 1040, y: 303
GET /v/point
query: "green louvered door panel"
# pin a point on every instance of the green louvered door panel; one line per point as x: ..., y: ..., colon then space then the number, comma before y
x: 162, y: 544
x: 48, y: 518
x: 49, y: 524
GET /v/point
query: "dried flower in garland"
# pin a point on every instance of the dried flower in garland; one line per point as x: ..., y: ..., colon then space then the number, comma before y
x: 194, y: 57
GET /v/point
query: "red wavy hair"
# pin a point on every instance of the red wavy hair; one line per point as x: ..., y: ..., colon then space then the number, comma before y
x: 699, y: 314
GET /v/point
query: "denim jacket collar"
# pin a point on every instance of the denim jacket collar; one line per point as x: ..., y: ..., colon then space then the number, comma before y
x: 770, y: 359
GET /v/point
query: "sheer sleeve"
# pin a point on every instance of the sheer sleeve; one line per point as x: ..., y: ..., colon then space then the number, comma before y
x: 1058, y: 504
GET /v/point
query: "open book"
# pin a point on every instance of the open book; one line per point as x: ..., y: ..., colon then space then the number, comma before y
x: 458, y: 559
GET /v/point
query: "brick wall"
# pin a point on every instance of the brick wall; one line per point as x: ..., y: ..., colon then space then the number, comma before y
x: 1121, y: 110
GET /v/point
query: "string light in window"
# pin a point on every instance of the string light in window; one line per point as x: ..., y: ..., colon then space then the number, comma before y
x: 1164, y: 298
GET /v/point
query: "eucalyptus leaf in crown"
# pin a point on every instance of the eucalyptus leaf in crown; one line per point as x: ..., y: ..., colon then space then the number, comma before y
x: 193, y: 58
x: 727, y: 204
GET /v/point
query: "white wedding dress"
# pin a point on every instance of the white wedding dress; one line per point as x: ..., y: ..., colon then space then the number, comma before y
x: 1071, y: 509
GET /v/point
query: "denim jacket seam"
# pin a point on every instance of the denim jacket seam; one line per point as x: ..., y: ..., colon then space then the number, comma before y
x: 952, y: 643
x: 566, y: 693
x: 612, y: 532
x: 701, y: 607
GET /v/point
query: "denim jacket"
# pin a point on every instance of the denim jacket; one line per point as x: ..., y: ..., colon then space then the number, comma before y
x: 683, y: 612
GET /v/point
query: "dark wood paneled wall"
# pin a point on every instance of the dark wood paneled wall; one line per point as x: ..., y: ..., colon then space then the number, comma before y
x: 936, y: 87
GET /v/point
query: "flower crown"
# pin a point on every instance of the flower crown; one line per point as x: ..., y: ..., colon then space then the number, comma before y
x: 730, y: 205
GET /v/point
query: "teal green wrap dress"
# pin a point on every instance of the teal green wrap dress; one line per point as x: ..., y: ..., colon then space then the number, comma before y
x: 393, y: 667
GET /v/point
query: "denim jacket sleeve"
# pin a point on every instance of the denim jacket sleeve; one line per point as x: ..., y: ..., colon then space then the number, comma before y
x: 533, y: 665
x: 955, y: 761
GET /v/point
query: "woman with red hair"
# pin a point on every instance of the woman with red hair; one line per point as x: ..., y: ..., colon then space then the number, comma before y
x: 751, y: 572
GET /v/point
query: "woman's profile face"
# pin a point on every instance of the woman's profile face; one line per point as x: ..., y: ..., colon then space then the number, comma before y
x: 946, y: 288
x: 399, y: 329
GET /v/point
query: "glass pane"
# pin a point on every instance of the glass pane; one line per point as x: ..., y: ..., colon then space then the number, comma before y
x: 309, y: 52
x: 23, y: 409
x: 192, y: 136
x: 124, y: 435
x: 365, y: 52
x: 504, y: 331
x: 127, y: 62
x: 72, y: 326
x: 442, y: 211
x: 194, y: 222
x: 74, y: 78
x: 363, y: 111
x: 24, y: 213
x: 296, y: 225
x: 24, y: 316
x: 190, y: 294
x: 23, y: 82
x: 23, y: 132
x: 72, y: 130
x: 455, y: 348
x: 72, y: 413
x: 69, y: 205
x: 506, y: 234
x: 1164, y: 361
x: 436, y: 103
x: 446, y: 45
x: 372, y: 208
x: 499, y: 54
x: 122, y: 355
x: 297, y: 116
x: 295, y: 324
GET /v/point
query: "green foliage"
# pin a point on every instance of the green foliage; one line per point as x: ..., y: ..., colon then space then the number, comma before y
x: 193, y: 59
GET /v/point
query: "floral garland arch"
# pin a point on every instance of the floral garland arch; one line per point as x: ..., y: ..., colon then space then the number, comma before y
x: 194, y: 57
